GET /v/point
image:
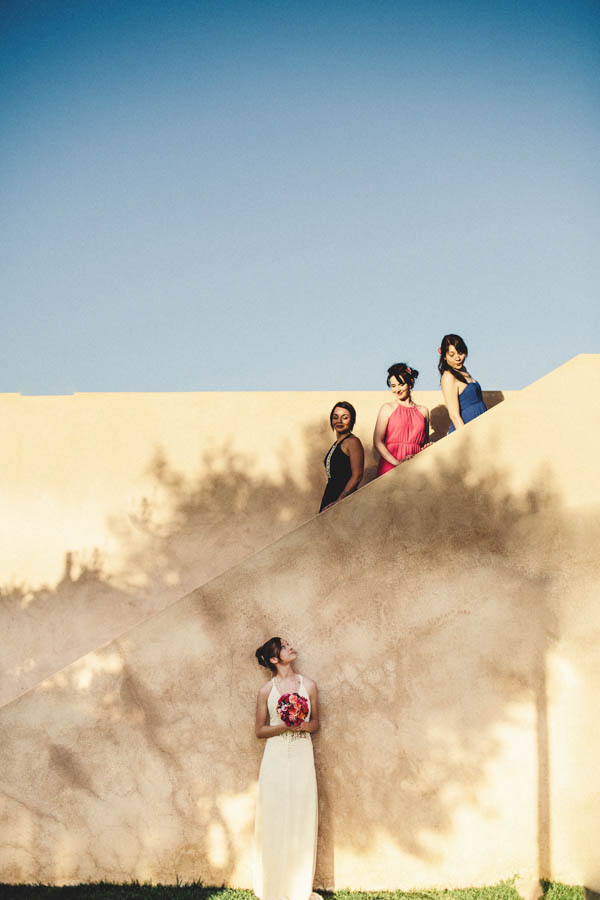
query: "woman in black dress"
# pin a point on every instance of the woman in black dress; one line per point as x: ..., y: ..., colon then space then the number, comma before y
x: 345, y: 461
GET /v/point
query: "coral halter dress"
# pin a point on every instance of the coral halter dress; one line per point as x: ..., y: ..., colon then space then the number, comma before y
x: 404, y: 435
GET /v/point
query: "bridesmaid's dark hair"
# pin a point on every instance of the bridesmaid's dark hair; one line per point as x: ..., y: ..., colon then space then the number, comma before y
x: 345, y: 405
x: 452, y: 340
x: 269, y: 649
x: 404, y: 372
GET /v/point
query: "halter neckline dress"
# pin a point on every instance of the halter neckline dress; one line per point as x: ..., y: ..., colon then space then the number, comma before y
x: 404, y: 435
x: 285, y: 830
x: 339, y: 469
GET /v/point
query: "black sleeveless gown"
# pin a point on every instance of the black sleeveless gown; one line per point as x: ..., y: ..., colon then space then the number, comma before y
x: 338, y: 472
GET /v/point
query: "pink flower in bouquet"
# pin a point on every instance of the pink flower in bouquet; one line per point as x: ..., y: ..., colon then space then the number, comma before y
x: 292, y: 709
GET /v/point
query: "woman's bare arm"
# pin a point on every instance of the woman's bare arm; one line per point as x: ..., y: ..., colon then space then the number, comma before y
x: 356, y: 454
x: 379, y: 434
x: 313, y: 693
x: 261, y: 729
x: 425, y: 413
x: 450, y: 394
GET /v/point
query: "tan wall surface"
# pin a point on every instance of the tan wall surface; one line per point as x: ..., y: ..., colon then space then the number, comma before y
x: 448, y: 612
x: 114, y: 505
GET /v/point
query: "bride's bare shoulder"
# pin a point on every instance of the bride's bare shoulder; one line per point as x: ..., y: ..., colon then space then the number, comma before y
x: 266, y: 688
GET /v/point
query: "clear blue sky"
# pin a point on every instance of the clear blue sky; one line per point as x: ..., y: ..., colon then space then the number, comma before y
x: 294, y: 195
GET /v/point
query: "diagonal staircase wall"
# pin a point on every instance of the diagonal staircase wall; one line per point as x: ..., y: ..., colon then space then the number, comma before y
x: 115, y: 505
x: 447, y: 612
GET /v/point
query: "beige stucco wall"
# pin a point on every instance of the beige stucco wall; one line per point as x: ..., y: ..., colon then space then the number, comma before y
x: 448, y: 612
x: 115, y: 505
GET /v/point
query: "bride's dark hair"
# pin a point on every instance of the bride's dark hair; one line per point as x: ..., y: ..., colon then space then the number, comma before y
x: 269, y: 649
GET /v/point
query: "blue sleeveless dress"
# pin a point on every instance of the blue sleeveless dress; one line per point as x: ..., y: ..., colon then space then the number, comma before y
x: 471, y: 403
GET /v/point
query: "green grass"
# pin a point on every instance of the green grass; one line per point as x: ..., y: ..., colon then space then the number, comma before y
x: 562, y: 891
x: 196, y: 891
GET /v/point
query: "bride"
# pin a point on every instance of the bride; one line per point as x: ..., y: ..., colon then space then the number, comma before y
x: 285, y: 831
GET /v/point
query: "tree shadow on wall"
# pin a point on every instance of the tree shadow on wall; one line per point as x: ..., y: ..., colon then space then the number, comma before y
x: 225, y: 514
x: 182, y: 532
x: 462, y: 624
x: 47, y: 628
x: 427, y: 671
x: 213, y: 521
x: 421, y: 605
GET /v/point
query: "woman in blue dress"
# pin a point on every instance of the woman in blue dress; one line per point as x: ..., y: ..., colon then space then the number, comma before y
x: 462, y: 393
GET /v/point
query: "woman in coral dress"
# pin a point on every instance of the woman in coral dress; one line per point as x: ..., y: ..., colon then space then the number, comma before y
x: 285, y: 831
x: 402, y: 427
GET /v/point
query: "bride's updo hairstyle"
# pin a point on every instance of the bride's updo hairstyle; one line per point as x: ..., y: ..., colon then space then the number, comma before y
x: 452, y: 340
x: 401, y: 371
x: 265, y: 654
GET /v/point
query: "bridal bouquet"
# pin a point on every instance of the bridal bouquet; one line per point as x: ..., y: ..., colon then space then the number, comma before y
x: 292, y: 708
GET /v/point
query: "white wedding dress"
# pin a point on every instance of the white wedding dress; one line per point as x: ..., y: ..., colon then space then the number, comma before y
x: 285, y: 831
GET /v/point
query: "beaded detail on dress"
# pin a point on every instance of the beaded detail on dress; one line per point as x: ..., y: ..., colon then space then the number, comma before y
x: 328, y: 460
x: 294, y: 735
